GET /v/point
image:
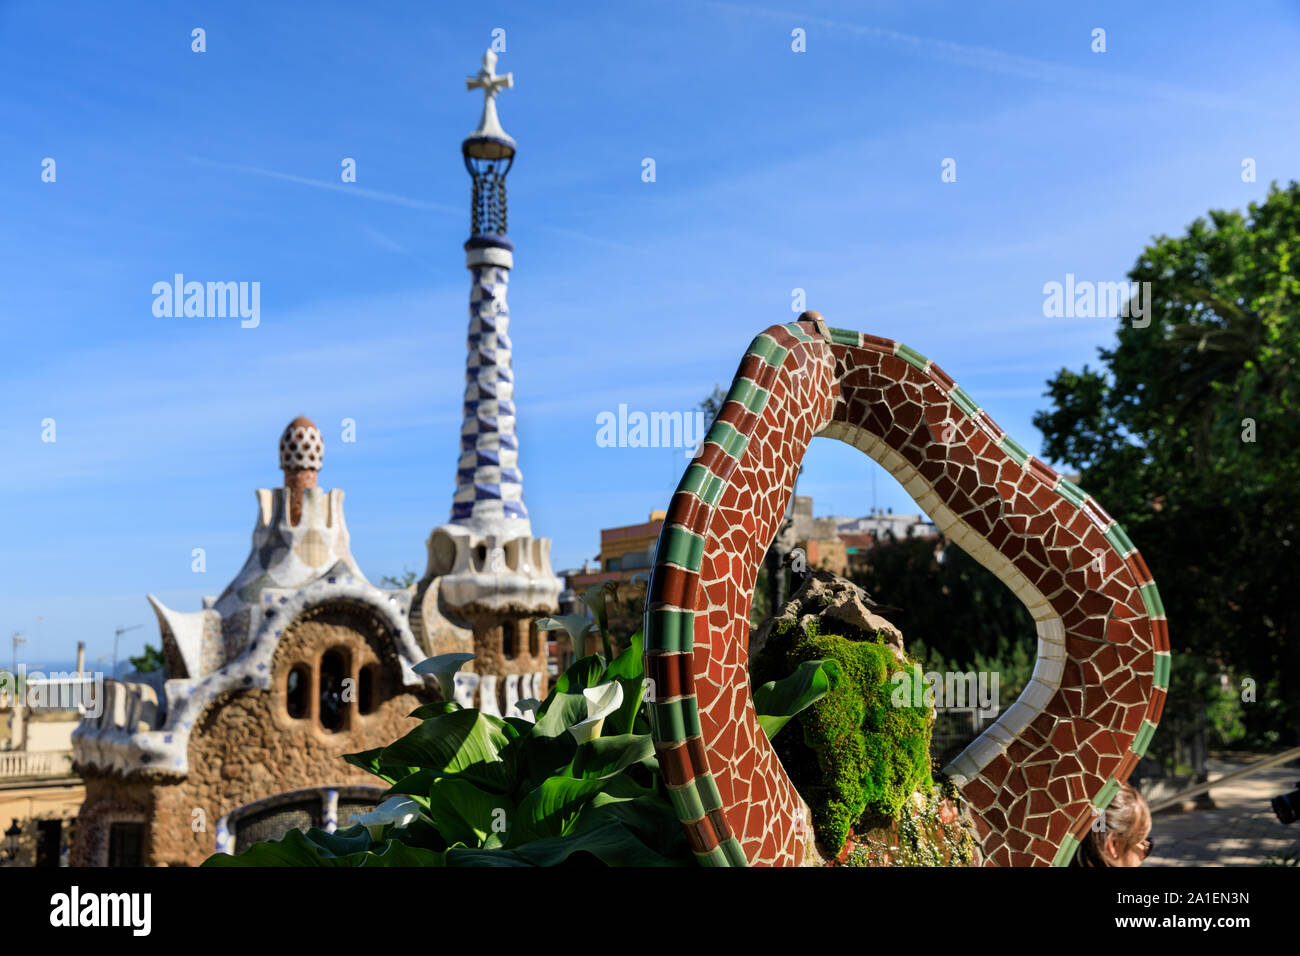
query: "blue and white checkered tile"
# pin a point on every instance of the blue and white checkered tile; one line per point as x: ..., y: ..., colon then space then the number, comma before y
x: 489, y: 485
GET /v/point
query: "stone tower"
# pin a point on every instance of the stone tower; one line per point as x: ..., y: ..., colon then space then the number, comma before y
x: 487, y: 575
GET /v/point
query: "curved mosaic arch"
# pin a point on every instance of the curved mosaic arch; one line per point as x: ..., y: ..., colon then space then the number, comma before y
x: 1036, y: 778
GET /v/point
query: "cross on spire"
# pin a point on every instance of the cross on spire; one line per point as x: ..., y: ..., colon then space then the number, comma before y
x: 491, y: 83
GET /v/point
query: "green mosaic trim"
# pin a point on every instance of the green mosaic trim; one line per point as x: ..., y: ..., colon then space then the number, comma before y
x: 912, y: 357
x: 715, y: 857
x: 798, y: 333
x: 1106, y: 794
x: 1119, y: 540
x: 963, y: 401
x: 691, y: 713
x: 702, y: 483
x: 735, y: 855
x: 846, y: 337
x: 1155, y: 607
x: 686, y: 801
x: 1071, y: 493
x: 1066, y: 853
x: 725, y: 436
x: 747, y: 393
x: 673, y: 628
x: 675, y: 720
x: 1014, y: 449
x: 709, y: 791
x: 682, y: 548
x: 1143, y: 739
x: 769, y: 350
x: 1164, y: 664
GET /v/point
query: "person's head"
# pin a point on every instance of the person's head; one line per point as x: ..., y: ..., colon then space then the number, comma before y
x: 1124, y: 838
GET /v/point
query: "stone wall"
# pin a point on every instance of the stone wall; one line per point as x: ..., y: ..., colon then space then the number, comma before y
x: 246, y: 747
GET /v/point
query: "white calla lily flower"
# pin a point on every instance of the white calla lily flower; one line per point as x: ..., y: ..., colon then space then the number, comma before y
x: 602, y: 700
x: 529, y: 708
x: 444, y: 667
x: 398, y: 811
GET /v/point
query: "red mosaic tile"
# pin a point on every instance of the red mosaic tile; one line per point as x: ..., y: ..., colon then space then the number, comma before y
x: 869, y: 388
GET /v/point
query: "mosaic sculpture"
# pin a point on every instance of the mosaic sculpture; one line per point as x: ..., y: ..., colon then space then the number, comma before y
x: 1036, y: 778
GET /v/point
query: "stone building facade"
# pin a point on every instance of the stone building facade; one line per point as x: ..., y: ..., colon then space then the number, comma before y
x: 241, y: 736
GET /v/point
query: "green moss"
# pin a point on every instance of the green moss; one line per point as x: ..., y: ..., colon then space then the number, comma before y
x: 863, y: 757
x: 920, y: 837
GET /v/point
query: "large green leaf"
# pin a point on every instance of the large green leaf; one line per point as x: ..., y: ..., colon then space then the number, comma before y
x: 631, y: 663
x: 629, y: 670
x: 468, y: 814
x: 561, y: 711
x: 435, y: 709
x: 583, y: 673
x: 415, y: 785
x: 548, y: 747
x: 779, y: 700
x: 372, y: 761
x: 606, y: 756
x: 468, y: 743
x: 640, y: 831
x: 551, y: 808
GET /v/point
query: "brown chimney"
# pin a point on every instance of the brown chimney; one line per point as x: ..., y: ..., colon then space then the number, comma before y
x: 301, y: 453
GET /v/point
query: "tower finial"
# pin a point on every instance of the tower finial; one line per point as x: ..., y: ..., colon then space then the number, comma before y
x: 489, y: 152
x: 489, y: 141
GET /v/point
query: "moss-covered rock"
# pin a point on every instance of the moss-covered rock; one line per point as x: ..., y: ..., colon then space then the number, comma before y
x: 935, y: 830
x: 856, y: 758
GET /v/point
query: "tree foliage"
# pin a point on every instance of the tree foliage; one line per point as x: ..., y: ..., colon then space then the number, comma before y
x: 1188, y: 435
x: 151, y: 660
x: 955, y: 607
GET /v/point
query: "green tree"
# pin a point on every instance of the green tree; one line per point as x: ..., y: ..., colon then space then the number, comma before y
x: 150, y: 660
x: 713, y: 402
x: 953, y: 609
x: 404, y: 580
x: 1188, y: 435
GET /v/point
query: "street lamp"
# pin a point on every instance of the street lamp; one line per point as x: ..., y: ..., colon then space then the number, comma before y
x: 11, y: 840
x: 117, y: 634
x: 18, y: 640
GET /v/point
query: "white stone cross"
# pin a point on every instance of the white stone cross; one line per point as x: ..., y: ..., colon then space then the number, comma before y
x: 487, y: 78
x: 491, y: 83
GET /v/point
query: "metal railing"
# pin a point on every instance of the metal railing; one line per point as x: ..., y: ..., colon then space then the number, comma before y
x: 954, y: 729
x: 1265, y: 763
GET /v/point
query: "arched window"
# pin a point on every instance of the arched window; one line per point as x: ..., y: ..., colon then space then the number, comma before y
x: 367, y: 688
x: 534, y: 641
x: 296, y: 687
x: 510, y: 640
x: 333, y: 709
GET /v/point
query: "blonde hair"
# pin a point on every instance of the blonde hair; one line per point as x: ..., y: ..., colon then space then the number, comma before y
x: 1127, y: 816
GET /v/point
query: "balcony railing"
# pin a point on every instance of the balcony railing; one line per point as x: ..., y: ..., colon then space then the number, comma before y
x: 54, y: 693
x: 35, y: 763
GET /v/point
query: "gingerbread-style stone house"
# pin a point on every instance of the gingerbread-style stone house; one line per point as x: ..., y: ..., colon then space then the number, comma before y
x: 241, y: 736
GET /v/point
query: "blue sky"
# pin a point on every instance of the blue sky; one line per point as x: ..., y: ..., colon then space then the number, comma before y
x: 775, y: 170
